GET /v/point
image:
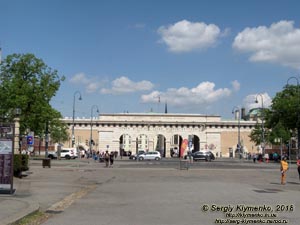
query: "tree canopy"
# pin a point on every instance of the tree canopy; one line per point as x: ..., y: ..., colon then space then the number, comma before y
x: 282, y: 119
x: 27, y: 83
x: 285, y: 108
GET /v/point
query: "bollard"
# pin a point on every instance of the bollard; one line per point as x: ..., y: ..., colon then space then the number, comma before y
x: 47, y: 163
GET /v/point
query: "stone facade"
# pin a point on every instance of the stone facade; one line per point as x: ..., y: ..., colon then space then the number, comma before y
x: 162, y: 132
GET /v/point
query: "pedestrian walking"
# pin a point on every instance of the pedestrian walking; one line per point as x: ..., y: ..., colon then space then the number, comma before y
x: 106, y: 158
x: 190, y: 156
x: 254, y: 158
x: 284, y: 166
x: 111, y: 158
x: 267, y: 158
x: 298, y: 165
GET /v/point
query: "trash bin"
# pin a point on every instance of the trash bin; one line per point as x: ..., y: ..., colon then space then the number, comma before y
x: 46, y: 163
x: 184, y: 164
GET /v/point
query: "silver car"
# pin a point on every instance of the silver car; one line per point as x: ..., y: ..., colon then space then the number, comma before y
x: 154, y: 155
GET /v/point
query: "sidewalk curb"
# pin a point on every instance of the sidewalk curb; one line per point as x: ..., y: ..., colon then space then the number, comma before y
x: 32, y: 207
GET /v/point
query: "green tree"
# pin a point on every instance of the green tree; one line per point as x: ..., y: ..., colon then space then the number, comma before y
x: 58, y: 132
x: 256, y: 134
x: 285, y: 108
x: 279, y: 131
x: 26, y: 82
x: 283, y: 117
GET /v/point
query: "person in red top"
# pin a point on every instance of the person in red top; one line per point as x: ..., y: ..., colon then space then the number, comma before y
x: 298, y: 165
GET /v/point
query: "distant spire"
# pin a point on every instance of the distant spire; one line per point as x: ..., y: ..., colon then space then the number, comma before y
x: 166, y: 108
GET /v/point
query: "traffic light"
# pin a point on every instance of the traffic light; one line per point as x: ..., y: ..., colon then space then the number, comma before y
x: 92, y: 142
x: 87, y: 142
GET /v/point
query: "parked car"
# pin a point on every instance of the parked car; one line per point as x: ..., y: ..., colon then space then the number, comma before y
x: 52, y: 155
x: 202, y: 155
x: 68, y: 153
x: 136, y: 156
x: 154, y: 155
x: 126, y: 153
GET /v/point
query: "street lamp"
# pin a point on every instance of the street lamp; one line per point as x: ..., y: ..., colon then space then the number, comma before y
x: 234, y: 110
x: 73, y: 135
x: 91, y: 136
x: 262, y: 122
x: 279, y: 141
x: 298, y: 119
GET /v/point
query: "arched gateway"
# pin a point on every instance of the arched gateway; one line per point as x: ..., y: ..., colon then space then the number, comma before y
x: 166, y: 133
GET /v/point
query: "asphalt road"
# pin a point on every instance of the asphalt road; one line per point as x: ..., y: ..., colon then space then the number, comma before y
x: 159, y: 193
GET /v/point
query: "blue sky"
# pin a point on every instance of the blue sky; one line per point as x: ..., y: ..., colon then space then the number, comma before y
x: 202, y: 57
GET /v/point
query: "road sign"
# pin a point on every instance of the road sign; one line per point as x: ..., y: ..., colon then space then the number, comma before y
x: 30, y: 140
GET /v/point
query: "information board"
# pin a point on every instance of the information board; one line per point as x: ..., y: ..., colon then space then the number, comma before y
x: 6, y: 158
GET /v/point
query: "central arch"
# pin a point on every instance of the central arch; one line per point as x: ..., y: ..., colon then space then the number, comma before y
x: 125, y: 145
x: 142, y: 143
x: 176, y: 141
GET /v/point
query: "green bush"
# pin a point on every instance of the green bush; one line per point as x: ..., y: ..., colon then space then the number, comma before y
x: 20, y: 164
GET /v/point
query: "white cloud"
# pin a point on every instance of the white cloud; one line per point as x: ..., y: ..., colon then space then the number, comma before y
x: 263, y: 99
x: 185, y: 36
x: 125, y: 85
x: 202, y: 95
x: 90, y: 84
x: 279, y: 43
x: 79, y: 78
x: 92, y: 87
x: 236, y: 85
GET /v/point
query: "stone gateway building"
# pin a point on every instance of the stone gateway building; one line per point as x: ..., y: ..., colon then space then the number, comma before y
x: 170, y: 134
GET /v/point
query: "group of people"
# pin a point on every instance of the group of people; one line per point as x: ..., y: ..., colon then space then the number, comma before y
x: 260, y: 157
x: 109, y: 159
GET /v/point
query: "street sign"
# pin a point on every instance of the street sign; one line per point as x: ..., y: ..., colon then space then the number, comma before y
x: 30, y: 140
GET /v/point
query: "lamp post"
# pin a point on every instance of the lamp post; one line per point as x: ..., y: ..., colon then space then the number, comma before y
x: 298, y: 115
x: 73, y: 135
x: 262, y: 122
x: 234, y: 110
x: 279, y: 141
x: 17, y: 143
x: 91, y: 135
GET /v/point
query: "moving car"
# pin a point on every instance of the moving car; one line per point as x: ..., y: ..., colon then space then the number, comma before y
x: 135, y: 156
x: 52, y: 155
x: 153, y: 155
x: 68, y: 153
x: 202, y: 155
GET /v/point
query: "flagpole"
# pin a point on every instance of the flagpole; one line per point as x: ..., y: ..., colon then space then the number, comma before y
x: 158, y: 104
